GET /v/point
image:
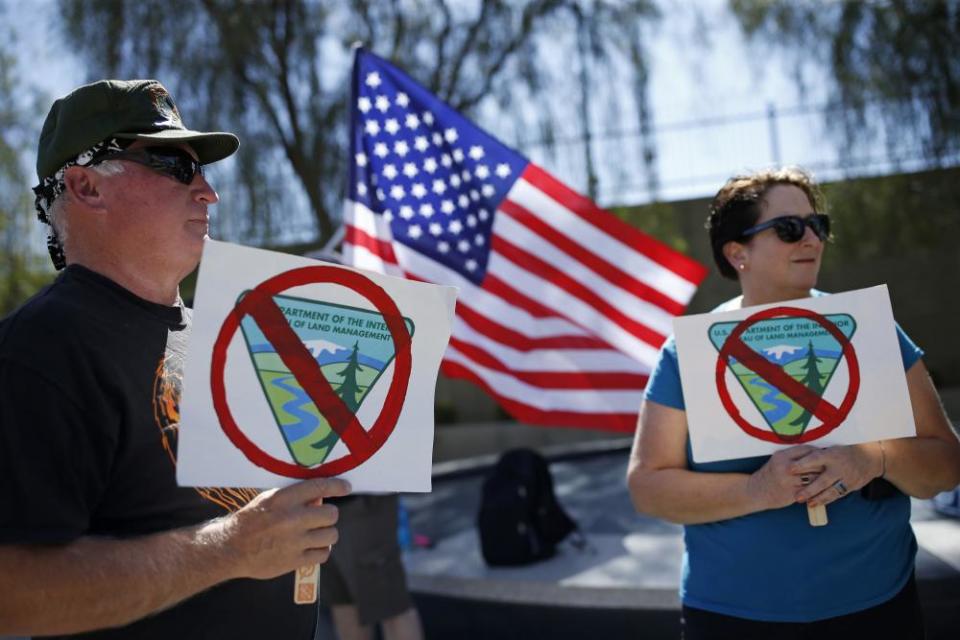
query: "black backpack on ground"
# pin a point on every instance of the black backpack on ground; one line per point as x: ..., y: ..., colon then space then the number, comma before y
x: 520, y: 520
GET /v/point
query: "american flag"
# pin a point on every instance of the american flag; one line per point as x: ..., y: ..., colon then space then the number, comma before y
x: 562, y: 306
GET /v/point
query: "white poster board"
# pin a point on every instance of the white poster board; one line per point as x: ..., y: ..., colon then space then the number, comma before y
x: 298, y: 368
x: 825, y: 370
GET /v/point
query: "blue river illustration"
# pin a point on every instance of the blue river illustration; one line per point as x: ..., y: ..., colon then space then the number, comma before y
x: 801, y: 348
x: 294, y: 408
x: 780, y: 408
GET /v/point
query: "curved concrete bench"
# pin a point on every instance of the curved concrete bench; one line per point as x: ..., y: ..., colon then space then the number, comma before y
x: 624, y: 586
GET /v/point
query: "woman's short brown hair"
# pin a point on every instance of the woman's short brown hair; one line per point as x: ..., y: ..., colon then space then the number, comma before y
x: 736, y: 207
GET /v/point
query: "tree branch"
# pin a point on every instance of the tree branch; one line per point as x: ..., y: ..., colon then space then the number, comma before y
x: 442, y: 39
x: 399, y: 30
x: 362, y: 8
x: 530, y: 15
x: 465, y: 48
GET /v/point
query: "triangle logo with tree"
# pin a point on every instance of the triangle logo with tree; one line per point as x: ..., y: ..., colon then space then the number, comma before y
x: 351, y: 346
x: 802, y: 348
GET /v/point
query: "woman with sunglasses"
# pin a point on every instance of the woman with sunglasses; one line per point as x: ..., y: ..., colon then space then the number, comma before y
x: 753, y: 566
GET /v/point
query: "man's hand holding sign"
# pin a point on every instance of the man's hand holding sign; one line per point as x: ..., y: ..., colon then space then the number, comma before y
x: 95, y: 534
x: 298, y: 369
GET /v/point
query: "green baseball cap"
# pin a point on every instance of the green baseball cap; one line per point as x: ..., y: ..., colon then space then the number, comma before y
x: 130, y: 109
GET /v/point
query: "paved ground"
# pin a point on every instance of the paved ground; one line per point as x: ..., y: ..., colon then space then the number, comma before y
x: 626, y: 583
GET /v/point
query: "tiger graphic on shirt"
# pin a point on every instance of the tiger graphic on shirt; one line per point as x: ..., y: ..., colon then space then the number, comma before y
x: 167, y: 388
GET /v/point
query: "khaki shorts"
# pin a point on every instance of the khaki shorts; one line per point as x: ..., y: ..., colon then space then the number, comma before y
x: 365, y: 568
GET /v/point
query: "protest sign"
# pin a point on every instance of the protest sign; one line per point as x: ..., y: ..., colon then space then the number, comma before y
x: 298, y: 369
x: 824, y: 370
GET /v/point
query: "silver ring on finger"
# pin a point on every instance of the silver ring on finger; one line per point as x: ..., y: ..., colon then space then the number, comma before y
x: 806, y: 479
x: 840, y: 487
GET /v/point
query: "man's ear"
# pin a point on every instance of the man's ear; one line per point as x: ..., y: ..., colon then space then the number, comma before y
x: 736, y: 254
x: 83, y: 186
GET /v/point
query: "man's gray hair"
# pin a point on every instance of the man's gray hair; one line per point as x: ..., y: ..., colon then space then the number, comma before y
x: 56, y: 214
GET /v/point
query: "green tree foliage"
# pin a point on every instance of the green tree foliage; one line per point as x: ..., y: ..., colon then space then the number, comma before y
x: 660, y: 220
x: 22, y: 268
x: 812, y: 378
x: 915, y: 213
x: 894, y: 64
x: 276, y: 73
x: 349, y: 388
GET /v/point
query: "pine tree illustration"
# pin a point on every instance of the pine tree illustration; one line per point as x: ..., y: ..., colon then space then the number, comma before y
x: 812, y: 379
x: 349, y: 388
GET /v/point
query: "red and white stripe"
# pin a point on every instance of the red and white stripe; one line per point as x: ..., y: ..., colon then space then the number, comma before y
x: 574, y: 306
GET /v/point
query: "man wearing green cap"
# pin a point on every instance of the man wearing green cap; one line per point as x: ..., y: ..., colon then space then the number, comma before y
x: 94, y: 532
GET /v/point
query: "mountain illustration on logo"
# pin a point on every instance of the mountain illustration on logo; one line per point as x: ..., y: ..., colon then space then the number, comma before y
x: 802, y: 348
x: 351, y: 346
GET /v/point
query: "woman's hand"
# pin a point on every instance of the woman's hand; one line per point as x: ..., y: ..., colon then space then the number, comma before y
x: 842, y: 469
x: 775, y: 484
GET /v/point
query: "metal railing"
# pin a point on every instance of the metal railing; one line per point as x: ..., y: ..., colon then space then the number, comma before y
x: 693, y: 157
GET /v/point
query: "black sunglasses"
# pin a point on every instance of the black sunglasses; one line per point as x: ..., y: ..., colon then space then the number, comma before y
x: 792, y: 228
x: 170, y: 161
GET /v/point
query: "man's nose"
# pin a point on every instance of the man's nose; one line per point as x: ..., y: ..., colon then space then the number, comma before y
x: 204, y: 192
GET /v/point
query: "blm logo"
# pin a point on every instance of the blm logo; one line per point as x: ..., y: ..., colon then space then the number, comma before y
x: 784, y: 349
x: 351, y: 346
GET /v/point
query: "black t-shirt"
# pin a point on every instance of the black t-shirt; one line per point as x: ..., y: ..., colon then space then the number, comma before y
x: 90, y: 380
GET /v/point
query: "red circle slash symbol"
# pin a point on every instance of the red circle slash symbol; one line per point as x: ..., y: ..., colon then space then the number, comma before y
x: 259, y: 304
x: 830, y: 416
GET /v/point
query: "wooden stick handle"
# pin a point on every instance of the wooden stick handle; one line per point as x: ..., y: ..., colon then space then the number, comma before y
x: 307, y: 579
x: 817, y: 515
x: 306, y: 584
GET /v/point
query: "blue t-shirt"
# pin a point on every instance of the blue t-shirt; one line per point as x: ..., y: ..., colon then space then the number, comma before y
x: 772, y: 565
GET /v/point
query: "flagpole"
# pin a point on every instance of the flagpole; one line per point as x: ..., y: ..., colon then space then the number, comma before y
x: 329, y: 251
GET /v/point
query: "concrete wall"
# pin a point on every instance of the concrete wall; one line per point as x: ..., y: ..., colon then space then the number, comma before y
x: 466, y: 440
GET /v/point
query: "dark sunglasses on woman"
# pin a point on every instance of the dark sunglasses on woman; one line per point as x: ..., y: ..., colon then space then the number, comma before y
x: 169, y: 161
x: 792, y: 228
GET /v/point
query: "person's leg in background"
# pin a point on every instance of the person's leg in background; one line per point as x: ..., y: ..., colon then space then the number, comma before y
x: 405, y: 626
x: 346, y: 623
x: 364, y: 581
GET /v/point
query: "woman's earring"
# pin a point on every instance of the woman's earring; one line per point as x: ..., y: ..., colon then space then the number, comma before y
x: 741, y: 266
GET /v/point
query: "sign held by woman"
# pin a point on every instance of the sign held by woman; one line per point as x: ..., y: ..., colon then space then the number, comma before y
x: 824, y: 370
